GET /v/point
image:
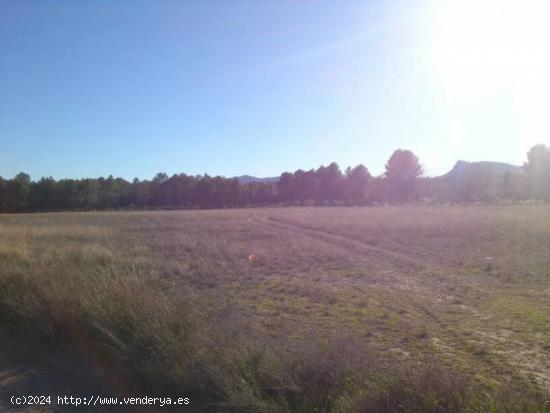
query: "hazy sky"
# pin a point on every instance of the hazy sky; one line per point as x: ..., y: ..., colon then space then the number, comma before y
x: 131, y: 88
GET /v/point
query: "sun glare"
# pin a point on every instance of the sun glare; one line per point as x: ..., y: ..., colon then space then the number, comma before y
x: 487, y: 49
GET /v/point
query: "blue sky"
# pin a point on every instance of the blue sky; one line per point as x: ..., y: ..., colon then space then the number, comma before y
x: 131, y: 88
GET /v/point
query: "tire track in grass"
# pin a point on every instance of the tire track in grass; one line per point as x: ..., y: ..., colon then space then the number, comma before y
x: 388, y: 256
x: 346, y: 241
x: 394, y: 269
x: 409, y: 265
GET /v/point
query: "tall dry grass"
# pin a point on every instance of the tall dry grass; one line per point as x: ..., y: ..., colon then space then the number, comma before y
x: 73, y: 285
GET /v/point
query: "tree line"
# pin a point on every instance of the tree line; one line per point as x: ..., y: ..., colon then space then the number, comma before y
x: 326, y: 185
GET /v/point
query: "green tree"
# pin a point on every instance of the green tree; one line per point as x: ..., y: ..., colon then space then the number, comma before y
x: 3, y: 194
x: 331, y: 182
x: 357, y: 180
x: 89, y: 193
x: 402, y: 172
x: 42, y: 195
x: 19, y: 187
x: 538, y: 171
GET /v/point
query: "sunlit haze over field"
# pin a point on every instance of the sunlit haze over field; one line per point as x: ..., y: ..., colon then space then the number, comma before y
x: 134, y: 88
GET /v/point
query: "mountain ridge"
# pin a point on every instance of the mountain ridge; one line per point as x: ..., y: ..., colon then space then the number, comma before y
x: 247, y: 179
x: 494, y: 168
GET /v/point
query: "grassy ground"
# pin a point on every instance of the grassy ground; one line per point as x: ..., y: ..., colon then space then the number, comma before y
x: 294, y: 309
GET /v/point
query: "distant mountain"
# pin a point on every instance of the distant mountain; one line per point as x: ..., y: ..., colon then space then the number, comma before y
x: 463, y: 168
x: 477, y: 181
x: 246, y: 179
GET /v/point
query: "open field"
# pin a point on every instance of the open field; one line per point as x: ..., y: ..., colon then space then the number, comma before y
x: 292, y: 309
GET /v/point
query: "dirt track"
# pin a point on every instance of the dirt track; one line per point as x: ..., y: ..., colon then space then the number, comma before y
x: 24, y: 371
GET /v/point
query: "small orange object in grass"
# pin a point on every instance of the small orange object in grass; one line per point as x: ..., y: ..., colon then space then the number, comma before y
x: 252, y: 258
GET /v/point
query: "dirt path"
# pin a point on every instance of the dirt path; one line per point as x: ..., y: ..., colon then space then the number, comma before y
x: 25, y: 370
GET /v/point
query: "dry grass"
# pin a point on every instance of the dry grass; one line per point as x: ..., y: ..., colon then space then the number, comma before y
x: 335, y: 313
